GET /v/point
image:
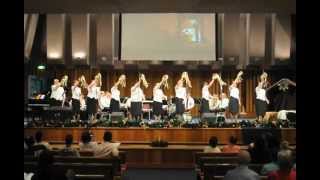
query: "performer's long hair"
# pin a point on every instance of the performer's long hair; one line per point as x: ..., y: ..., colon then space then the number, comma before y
x: 143, y: 80
x: 83, y: 82
x: 264, y: 80
x: 97, y: 79
x: 64, y: 81
x: 122, y: 81
x: 164, y: 82
x: 185, y: 78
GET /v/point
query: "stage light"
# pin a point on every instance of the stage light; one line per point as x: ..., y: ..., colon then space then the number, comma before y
x: 54, y: 55
x: 41, y: 67
x: 79, y: 55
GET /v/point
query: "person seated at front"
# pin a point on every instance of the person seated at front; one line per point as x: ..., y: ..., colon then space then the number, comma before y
x: 107, y: 148
x: 232, y: 147
x: 212, y: 148
x: 39, y: 140
x: 68, y: 150
x: 285, y: 171
x: 86, y: 144
x: 242, y: 171
x: 29, y: 142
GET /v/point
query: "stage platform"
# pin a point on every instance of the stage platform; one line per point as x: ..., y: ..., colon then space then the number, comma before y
x: 183, y: 142
x: 172, y: 135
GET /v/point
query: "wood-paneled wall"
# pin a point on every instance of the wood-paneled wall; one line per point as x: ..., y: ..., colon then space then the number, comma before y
x: 109, y: 77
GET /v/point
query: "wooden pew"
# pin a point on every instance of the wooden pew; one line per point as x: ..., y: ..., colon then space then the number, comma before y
x: 198, y: 155
x: 92, y: 171
x: 212, y: 170
x: 115, y: 161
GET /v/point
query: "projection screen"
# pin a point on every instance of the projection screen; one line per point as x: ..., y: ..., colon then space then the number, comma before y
x: 183, y: 36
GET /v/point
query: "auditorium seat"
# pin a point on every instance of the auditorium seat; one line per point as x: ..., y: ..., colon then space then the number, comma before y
x: 92, y: 171
x: 222, y: 177
x: 86, y: 153
x: 211, y: 170
x: 217, y: 160
x: 198, y: 155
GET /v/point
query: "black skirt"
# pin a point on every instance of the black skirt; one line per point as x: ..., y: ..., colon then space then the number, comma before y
x: 114, y: 105
x: 92, y: 105
x: 261, y: 107
x: 136, y: 108
x: 204, y: 106
x: 75, y: 106
x: 179, y: 106
x: 54, y: 102
x: 157, y: 108
x: 234, y: 105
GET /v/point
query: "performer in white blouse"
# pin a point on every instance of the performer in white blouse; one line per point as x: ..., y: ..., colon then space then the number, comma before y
x: 92, y: 97
x: 158, y: 97
x: 234, y: 102
x: 206, y: 96
x: 115, y: 94
x: 137, y: 96
x: 76, y: 93
x: 181, y: 94
x: 261, y: 98
x: 54, y: 90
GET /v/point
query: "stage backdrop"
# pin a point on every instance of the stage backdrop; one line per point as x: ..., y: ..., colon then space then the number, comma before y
x: 109, y: 77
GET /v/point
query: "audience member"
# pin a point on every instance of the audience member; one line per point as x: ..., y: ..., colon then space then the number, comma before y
x: 270, y: 167
x: 212, y: 148
x: 242, y: 171
x: 68, y: 150
x: 86, y: 144
x: 39, y: 140
x: 232, y: 147
x: 285, y: 171
x: 107, y: 148
x: 260, y: 152
x: 44, y: 167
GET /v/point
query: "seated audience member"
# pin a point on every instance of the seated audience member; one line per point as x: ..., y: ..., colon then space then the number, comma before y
x: 29, y: 142
x: 44, y: 166
x: 285, y: 171
x: 260, y: 152
x: 68, y: 150
x: 86, y: 144
x: 242, y: 171
x: 212, y: 148
x: 270, y: 167
x: 39, y: 140
x: 232, y: 147
x: 273, y: 144
x: 107, y: 148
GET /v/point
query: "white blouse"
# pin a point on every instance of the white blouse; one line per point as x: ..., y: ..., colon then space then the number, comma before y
x: 104, y: 102
x: 205, y: 93
x: 261, y: 94
x: 76, y: 92
x: 60, y: 94
x: 53, y: 91
x: 234, y: 92
x: 181, y: 92
x: 137, y: 95
x: 115, y: 93
x: 158, y: 95
x: 94, y: 92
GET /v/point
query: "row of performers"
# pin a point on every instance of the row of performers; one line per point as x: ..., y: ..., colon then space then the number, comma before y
x: 183, y: 100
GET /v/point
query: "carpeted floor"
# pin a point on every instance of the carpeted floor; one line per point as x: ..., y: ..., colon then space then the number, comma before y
x: 159, y: 174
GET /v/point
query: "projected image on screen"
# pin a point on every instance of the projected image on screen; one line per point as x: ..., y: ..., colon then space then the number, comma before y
x: 168, y: 37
